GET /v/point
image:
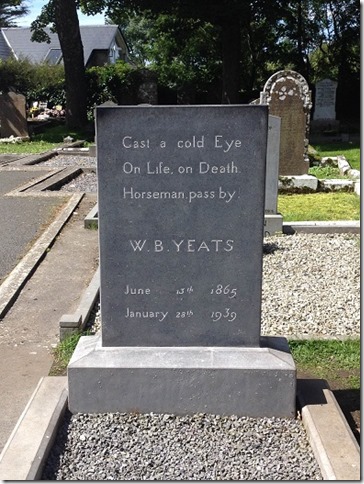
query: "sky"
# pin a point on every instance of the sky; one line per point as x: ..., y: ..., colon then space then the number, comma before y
x: 35, y: 7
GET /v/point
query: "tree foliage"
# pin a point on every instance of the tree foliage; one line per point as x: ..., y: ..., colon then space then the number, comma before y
x: 11, y: 11
x: 224, y: 50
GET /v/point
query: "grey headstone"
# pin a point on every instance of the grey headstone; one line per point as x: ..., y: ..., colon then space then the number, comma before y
x: 271, y: 185
x: 288, y: 96
x: 188, y: 239
x: 181, y: 219
x: 325, y: 100
x: 273, y: 221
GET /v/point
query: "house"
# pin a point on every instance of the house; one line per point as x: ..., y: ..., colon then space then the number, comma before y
x: 102, y: 44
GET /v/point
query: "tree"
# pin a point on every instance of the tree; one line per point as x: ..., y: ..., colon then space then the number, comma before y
x: 63, y: 15
x: 10, y: 11
x: 225, y: 15
x: 182, y: 51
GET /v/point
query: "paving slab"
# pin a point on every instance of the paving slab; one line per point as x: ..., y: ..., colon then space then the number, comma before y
x: 22, y: 219
x: 30, y: 329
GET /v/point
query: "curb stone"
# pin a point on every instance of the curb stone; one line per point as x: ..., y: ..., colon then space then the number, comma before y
x: 10, y: 288
x: 69, y: 323
x: 28, y: 446
x: 329, y: 434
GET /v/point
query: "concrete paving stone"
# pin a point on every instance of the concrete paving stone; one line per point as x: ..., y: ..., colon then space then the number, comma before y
x: 22, y: 221
x: 30, y: 329
x: 16, y: 178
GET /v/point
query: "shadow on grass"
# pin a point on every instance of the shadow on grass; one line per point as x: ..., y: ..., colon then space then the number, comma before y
x: 55, y: 131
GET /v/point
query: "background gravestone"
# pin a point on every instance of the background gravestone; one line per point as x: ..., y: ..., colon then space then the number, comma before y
x: 13, y: 119
x: 181, y: 246
x: 324, y: 115
x: 325, y: 100
x: 288, y: 96
x: 273, y: 221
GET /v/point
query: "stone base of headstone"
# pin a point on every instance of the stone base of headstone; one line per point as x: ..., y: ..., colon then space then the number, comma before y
x: 92, y: 150
x: 325, y: 125
x: 273, y: 223
x: 247, y: 381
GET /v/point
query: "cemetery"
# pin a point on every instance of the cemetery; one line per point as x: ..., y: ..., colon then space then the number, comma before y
x: 180, y: 243
x: 203, y: 355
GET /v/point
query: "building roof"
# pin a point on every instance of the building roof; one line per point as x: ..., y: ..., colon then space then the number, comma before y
x: 18, y: 41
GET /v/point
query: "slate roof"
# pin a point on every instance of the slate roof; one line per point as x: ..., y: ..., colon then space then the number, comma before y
x: 93, y: 37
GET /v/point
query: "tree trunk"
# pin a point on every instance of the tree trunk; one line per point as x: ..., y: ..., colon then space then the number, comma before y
x: 231, y: 59
x: 68, y: 29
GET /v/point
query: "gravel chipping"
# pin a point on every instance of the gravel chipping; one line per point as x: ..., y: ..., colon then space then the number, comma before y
x: 311, y: 285
x: 86, y: 182
x: 60, y: 161
x: 168, y: 447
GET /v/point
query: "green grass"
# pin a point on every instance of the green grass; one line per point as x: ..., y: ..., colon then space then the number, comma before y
x: 55, y: 134
x: 47, y: 140
x: 319, y: 206
x: 26, y: 147
x: 350, y: 149
x: 325, y: 172
x: 63, y: 352
x: 329, y: 359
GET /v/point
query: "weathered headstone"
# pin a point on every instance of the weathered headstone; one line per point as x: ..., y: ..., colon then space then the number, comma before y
x: 273, y: 221
x: 288, y: 96
x: 13, y: 119
x: 181, y: 244
x: 324, y: 115
x: 325, y: 100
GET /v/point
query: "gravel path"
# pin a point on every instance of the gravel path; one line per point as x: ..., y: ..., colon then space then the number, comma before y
x: 60, y: 161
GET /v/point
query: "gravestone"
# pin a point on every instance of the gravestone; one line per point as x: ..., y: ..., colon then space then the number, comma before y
x: 13, y: 119
x: 325, y: 100
x: 288, y: 96
x: 181, y: 245
x: 273, y: 221
x: 324, y: 115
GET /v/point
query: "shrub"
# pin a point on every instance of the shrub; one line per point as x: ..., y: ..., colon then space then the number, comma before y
x: 117, y: 82
x: 38, y: 82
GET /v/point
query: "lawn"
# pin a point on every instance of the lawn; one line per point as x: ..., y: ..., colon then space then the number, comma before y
x: 319, y: 206
x: 49, y: 139
x: 349, y: 149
